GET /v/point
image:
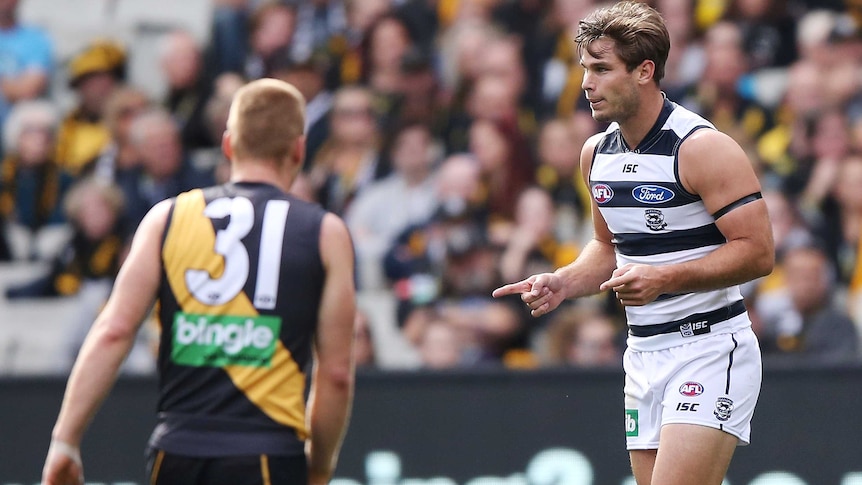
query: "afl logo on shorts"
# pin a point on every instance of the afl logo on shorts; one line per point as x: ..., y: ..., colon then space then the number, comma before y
x: 602, y: 193
x: 691, y: 389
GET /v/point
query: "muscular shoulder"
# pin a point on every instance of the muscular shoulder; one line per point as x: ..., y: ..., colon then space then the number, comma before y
x: 708, y: 156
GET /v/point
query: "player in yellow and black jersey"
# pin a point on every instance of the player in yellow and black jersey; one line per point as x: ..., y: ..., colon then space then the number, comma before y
x: 255, y: 291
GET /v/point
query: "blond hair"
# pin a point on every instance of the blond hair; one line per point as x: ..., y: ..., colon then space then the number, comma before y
x: 266, y: 118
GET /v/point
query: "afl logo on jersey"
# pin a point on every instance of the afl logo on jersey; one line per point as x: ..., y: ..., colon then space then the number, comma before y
x: 652, y: 194
x: 602, y: 193
x: 691, y: 389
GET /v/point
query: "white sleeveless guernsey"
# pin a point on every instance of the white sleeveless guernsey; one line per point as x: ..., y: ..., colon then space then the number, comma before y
x: 655, y: 221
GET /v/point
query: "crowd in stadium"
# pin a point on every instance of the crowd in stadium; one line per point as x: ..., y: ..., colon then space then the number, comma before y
x: 447, y: 134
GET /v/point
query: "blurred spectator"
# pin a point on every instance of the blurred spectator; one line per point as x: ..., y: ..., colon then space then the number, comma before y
x: 421, y: 100
x: 685, y: 62
x: 803, y: 321
x: 840, y: 223
x: 216, y: 112
x: 94, y: 73
x: 365, y: 354
x: 559, y: 173
x: 387, y: 41
x: 164, y: 170
x: 552, y: 60
x: 582, y: 336
x: 347, y: 50
x: 715, y: 95
x: 188, y: 87
x: 271, y: 29
x: 229, y: 37
x: 308, y: 74
x: 414, y: 263
x: 32, y: 184
x: 439, y: 346
x: 93, y: 208
x: 506, y: 165
x: 787, y: 147
x: 768, y: 31
x: 317, y: 22
x: 387, y: 207
x: 488, y: 330
x: 26, y: 59
x: 532, y: 246
x: 119, y: 156
x: 349, y: 160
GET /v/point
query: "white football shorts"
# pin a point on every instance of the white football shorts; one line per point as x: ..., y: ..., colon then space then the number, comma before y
x: 712, y: 382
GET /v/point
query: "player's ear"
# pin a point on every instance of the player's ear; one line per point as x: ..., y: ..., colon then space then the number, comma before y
x: 299, y: 149
x: 646, y: 71
x: 225, y: 145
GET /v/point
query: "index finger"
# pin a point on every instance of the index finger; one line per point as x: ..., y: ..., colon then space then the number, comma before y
x: 513, y: 288
x: 616, y: 281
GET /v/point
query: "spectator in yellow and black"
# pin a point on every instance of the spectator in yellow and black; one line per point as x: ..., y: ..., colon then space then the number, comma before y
x: 93, y: 208
x: 346, y: 48
x: 552, y: 60
x: 559, y: 173
x: 94, y: 73
x: 189, y: 87
x: 31, y: 183
x: 716, y: 94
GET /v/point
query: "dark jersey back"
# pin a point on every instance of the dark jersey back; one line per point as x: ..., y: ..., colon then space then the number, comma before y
x: 242, y: 282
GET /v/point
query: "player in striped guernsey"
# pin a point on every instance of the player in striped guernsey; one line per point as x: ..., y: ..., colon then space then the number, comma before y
x: 679, y: 224
x: 255, y: 291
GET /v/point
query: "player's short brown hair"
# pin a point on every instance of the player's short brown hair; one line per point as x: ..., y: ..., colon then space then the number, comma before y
x: 637, y: 29
x: 266, y: 118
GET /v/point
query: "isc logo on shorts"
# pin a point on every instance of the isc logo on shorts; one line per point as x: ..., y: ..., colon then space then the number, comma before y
x: 631, y: 422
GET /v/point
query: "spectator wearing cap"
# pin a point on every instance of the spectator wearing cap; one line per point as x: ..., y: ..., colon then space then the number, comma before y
x: 26, y: 59
x: 94, y: 74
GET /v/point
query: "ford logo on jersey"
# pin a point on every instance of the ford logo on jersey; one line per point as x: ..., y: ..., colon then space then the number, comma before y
x: 652, y: 194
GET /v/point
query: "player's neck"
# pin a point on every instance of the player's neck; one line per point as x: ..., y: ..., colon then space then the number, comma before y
x: 262, y: 172
x: 636, y: 127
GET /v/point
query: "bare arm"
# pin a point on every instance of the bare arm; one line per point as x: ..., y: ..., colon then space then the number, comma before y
x: 333, y: 378
x: 107, y: 344
x: 28, y: 85
x: 582, y: 277
x: 713, y: 166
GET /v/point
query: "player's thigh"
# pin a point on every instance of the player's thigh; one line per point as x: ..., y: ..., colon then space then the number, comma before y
x: 643, y: 463
x: 691, y: 454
